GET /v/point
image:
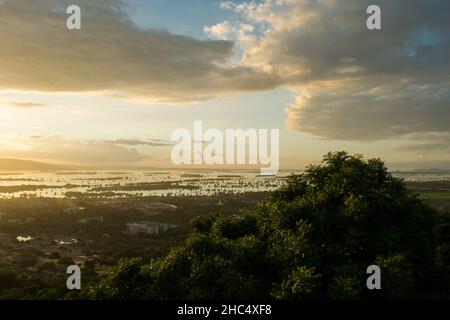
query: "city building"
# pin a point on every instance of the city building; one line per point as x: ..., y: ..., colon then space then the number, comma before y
x: 149, y: 227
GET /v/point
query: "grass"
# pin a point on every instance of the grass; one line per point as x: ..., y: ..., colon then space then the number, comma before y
x: 435, y: 195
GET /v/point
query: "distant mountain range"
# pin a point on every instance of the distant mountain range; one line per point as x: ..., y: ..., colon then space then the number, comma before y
x: 7, y: 164
x: 15, y: 164
x: 424, y: 171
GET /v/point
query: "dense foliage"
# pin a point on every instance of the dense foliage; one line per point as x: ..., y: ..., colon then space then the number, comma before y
x: 312, y: 239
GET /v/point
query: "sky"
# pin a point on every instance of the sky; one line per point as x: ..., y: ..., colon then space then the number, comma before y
x: 113, y: 92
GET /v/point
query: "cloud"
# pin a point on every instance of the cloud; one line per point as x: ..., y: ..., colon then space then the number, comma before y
x: 25, y: 105
x: 353, y: 83
x: 59, y: 149
x: 149, y: 143
x: 350, y: 83
x: 111, y: 53
x: 369, y: 110
x: 426, y: 147
x: 433, y: 142
x: 220, y: 31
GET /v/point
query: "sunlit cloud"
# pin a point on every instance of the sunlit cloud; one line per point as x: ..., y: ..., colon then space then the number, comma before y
x: 112, y: 54
x: 63, y: 150
x: 25, y: 105
x: 353, y: 83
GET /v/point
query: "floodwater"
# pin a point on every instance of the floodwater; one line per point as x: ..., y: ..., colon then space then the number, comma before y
x: 108, y: 184
x: 63, y: 184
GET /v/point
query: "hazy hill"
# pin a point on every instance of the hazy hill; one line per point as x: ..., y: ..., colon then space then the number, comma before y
x: 15, y: 164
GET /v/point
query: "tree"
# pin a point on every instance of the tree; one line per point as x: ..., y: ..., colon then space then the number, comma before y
x: 312, y: 239
x: 66, y: 261
x: 123, y: 281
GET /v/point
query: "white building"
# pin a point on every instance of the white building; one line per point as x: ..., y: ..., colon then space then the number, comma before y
x: 149, y: 227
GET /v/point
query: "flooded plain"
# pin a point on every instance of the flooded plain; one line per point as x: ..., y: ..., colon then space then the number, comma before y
x: 110, y: 184
x: 65, y: 184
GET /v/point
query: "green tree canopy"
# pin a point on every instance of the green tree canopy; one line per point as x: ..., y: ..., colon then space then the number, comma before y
x: 312, y: 239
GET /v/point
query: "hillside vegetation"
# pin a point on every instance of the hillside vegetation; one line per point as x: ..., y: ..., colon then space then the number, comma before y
x: 312, y: 239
